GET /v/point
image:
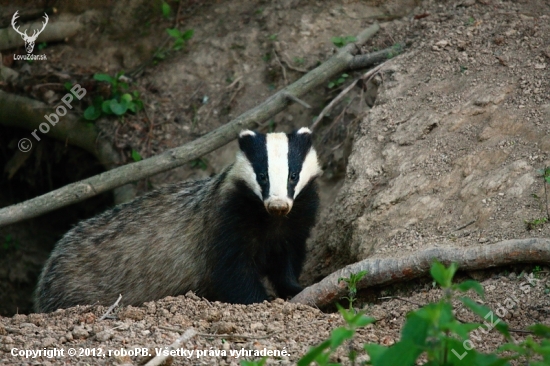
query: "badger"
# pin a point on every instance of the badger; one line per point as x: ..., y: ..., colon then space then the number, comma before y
x: 218, y: 237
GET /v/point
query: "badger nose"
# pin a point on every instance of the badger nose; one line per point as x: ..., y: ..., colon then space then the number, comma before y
x: 278, y: 207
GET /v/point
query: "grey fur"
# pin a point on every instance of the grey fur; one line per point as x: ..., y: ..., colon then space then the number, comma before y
x: 152, y: 237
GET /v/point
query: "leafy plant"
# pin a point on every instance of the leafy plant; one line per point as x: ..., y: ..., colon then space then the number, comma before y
x: 321, y: 354
x: 120, y: 101
x: 352, y: 281
x: 342, y: 41
x: 179, y: 37
x: 533, y: 224
x: 341, y: 80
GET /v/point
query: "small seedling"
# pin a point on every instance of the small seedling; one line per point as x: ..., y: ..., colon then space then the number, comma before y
x: 352, y: 281
x: 179, y: 37
x: 136, y: 156
x: 341, y: 80
x: 299, y: 61
x: 120, y: 101
x: 533, y: 224
x: 342, y: 41
x: 266, y: 57
x: 273, y: 37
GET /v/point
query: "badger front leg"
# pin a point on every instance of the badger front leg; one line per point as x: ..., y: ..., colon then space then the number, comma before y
x: 238, y: 282
x: 284, y: 273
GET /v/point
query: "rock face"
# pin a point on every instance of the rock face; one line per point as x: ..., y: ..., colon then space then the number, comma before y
x: 451, y: 152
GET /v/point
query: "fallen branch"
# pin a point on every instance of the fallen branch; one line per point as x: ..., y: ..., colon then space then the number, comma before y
x: 159, y: 360
x: 383, y: 271
x: 79, y: 191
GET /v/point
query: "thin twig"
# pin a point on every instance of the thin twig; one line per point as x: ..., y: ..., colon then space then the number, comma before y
x: 368, y: 74
x: 290, y: 66
x: 111, y: 308
x: 400, y: 298
x: 297, y: 100
x: 159, y: 360
x: 465, y: 225
x: 282, y: 67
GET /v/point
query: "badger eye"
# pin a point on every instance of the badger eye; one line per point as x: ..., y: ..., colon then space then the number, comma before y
x: 262, y: 177
x: 293, y: 177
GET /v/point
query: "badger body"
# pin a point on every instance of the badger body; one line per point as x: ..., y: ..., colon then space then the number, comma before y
x: 218, y: 237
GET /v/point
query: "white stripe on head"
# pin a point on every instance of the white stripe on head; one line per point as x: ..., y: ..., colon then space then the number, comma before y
x: 303, y: 130
x: 242, y: 169
x: 277, y: 160
x: 247, y: 132
x: 310, y: 170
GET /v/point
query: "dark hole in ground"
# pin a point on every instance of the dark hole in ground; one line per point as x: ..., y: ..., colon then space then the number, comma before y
x: 26, y: 245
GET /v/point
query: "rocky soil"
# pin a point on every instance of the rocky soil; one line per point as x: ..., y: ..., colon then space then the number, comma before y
x: 448, y: 155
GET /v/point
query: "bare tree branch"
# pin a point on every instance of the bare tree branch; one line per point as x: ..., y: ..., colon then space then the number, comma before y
x: 383, y: 271
x: 172, y: 158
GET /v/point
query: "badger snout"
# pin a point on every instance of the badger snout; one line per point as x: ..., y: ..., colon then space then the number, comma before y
x: 278, y: 206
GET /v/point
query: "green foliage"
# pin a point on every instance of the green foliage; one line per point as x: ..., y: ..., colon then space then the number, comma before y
x: 273, y: 37
x: 342, y: 41
x: 136, y: 156
x: 299, y: 61
x: 9, y: 243
x: 120, y: 102
x: 352, y: 281
x: 166, y: 9
x: 179, y: 37
x: 254, y: 363
x: 341, y: 80
x: 432, y: 332
x: 533, y: 224
x: 321, y: 354
x: 41, y: 46
x: 199, y: 163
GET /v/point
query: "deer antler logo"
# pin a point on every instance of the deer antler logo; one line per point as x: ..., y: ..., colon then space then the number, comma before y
x: 29, y: 40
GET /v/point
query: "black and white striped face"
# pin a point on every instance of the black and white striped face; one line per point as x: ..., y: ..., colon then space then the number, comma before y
x: 277, y: 166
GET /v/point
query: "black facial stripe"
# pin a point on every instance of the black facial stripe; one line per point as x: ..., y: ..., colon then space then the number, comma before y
x: 298, y: 147
x: 255, y: 149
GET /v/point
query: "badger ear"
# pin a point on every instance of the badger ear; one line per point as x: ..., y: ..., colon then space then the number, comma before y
x: 244, y: 133
x: 304, y: 130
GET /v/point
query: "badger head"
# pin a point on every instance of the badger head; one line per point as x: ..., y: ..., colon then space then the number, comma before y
x: 277, y: 166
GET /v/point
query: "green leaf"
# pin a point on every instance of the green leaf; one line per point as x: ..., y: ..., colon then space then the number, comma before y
x: 540, y: 330
x: 118, y: 108
x: 104, y: 77
x: 92, y: 113
x: 331, y: 85
x: 188, y: 34
x: 313, y: 353
x: 471, y: 285
x: 480, y: 310
x: 339, y: 335
x: 443, y: 276
x: 403, y: 353
x: 174, y: 32
x: 166, y: 9
x: 106, y: 107
x: 126, y: 98
x: 375, y: 352
x: 136, y: 156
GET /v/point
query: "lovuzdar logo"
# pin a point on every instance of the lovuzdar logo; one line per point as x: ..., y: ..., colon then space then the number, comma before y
x: 29, y: 40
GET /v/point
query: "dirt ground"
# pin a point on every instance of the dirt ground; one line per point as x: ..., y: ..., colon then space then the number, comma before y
x: 229, y: 66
